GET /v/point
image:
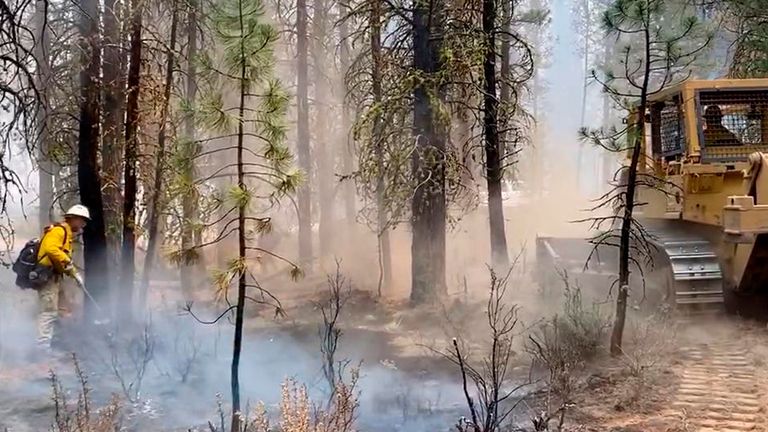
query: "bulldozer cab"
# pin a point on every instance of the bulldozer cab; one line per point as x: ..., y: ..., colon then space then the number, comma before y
x: 710, y: 122
x: 698, y: 138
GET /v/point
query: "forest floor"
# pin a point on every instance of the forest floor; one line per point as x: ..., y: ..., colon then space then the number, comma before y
x: 694, y: 376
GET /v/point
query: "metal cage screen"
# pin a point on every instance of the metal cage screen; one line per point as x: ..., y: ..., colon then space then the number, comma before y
x: 733, y: 117
x: 671, y: 131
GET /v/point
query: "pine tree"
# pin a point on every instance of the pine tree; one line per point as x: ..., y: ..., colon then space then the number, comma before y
x: 243, y: 67
x: 658, y: 52
x: 88, y: 174
x: 160, y: 164
x: 128, y: 250
x: 493, y: 156
x: 189, y: 149
x: 382, y: 229
x: 428, y: 164
x: 304, y: 197
x: 113, y: 96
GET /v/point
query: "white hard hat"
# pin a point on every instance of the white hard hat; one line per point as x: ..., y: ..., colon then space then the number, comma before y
x: 78, y: 210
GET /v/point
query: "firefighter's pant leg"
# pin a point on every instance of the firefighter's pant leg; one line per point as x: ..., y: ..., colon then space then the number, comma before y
x: 66, y: 299
x: 49, y: 312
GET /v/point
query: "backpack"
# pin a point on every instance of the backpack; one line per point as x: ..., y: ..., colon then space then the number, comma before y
x: 29, y: 273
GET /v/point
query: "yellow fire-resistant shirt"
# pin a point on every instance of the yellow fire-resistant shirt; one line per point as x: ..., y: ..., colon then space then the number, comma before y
x: 56, y: 247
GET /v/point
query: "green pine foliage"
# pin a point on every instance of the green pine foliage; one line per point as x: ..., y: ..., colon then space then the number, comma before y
x: 748, y: 19
x: 240, y: 60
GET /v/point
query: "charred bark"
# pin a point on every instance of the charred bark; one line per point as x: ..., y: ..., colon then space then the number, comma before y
x: 128, y: 264
x: 114, y: 111
x: 88, y: 174
x: 428, y: 205
x: 305, y: 163
x: 505, y: 91
x: 155, y: 206
x: 494, y: 173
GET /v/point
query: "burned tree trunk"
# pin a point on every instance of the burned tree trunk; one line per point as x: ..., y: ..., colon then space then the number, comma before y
x: 114, y: 104
x: 635, y: 136
x: 157, y: 187
x: 88, y: 173
x: 428, y: 204
x: 494, y: 173
x: 324, y: 149
x: 505, y: 91
x: 131, y: 154
x: 305, y: 163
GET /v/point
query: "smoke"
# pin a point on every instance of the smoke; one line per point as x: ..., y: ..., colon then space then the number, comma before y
x: 189, y: 364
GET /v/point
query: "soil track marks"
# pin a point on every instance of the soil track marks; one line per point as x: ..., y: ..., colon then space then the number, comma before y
x: 713, y: 379
x: 719, y: 390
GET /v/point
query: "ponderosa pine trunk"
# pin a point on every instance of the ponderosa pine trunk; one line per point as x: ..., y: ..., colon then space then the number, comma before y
x: 88, y: 173
x: 347, y: 158
x: 128, y: 264
x: 635, y: 135
x: 189, y: 271
x: 44, y: 163
x: 428, y: 205
x: 157, y: 187
x: 323, y: 146
x: 494, y: 173
x: 113, y: 94
x: 241, y: 248
x: 384, y: 248
x: 505, y: 91
x: 304, y: 195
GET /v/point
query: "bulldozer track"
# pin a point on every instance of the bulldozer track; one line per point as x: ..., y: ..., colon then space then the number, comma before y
x: 695, y: 270
x: 719, y: 391
x: 692, y: 280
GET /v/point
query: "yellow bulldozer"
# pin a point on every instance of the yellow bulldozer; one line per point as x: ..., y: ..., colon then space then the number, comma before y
x: 706, y: 146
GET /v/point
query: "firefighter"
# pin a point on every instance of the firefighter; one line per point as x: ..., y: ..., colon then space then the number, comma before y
x: 56, y: 254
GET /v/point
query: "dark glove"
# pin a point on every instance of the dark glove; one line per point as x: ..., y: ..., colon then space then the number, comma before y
x: 70, y: 270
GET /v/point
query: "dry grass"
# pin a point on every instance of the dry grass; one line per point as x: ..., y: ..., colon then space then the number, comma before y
x: 80, y: 415
x: 563, y: 344
x: 650, y: 342
x: 299, y: 414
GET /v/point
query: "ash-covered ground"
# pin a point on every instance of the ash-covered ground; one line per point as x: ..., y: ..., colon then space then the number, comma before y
x: 172, y: 372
